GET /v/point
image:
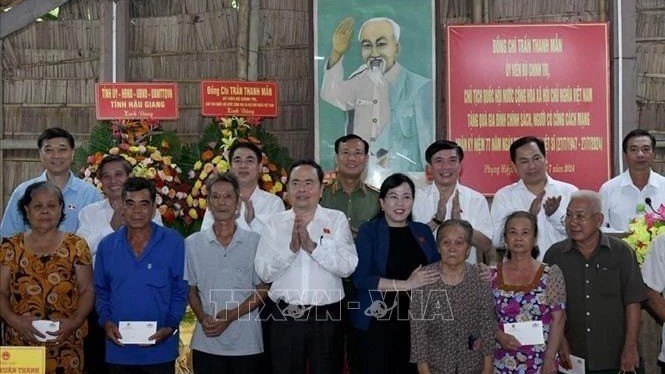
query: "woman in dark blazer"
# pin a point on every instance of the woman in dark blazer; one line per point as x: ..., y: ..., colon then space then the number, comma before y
x: 392, y: 249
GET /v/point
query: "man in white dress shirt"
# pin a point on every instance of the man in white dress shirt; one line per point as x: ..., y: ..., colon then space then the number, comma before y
x: 622, y: 194
x: 305, y: 252
x: 96, y: 221
x: 653, y: 272
x: 535, y: 192
x: 446, y: 198
x: 257, y: 205
x: 105, y: 216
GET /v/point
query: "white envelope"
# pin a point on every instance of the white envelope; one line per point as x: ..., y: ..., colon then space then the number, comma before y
x: 527, y: 333
x: 577, y: 366
x: 137, y: 332
x: 44, y: 325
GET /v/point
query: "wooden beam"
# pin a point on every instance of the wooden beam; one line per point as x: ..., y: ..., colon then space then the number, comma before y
x: 6, y: 144
x: 25, y: 14
x: 117, y: 38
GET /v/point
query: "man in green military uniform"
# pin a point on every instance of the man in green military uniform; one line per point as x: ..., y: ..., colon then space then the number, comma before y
x: 347, y: 192
x: 360, y: 203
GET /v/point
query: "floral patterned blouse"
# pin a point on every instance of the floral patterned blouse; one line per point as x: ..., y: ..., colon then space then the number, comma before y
x: 45, y: 287
x: 535, y: 301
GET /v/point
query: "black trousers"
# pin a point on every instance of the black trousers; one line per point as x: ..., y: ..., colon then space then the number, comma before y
x: 165, y: 368
x: 94, y: 347
x: 315, y: 338
x: 206, y: 363
x: 352, y: 344
x: 387, y: 346
x: 265, y: 314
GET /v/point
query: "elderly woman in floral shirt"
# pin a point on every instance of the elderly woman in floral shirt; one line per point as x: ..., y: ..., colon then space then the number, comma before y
x: 527, y: 290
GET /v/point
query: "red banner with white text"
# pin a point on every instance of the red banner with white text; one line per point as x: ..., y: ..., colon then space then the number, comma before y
x: 136, y: 100
x: 545, y: 80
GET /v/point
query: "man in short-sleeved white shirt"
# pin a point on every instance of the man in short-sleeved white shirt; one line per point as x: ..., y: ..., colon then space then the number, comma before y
x: 653, y: 273
x: 446, y: 198
x: 535, y: 192
x: 256, y: 205
x: 622, y: 194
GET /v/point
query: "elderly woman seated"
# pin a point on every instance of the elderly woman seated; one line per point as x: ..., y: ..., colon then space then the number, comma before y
x: 452, y: 320
x: 46, y: 288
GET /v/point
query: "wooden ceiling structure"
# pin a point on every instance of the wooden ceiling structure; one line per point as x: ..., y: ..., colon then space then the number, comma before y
x: 16, y: 14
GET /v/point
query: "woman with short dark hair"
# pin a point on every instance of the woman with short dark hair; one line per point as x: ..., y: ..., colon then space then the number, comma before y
x: 526, y: 289
x: 392, y: 250
x: 46, y: 280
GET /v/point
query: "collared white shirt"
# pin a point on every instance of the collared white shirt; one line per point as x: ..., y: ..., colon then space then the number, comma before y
x: 265, y: 205
x: 620, y: 198
x: 653, y: 273
x: 302, y: 278
x: 95, y: 224
x: 475, y: 209
x: 516, y: 197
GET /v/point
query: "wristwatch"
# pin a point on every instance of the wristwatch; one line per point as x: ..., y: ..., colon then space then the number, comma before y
x: 436, y: 220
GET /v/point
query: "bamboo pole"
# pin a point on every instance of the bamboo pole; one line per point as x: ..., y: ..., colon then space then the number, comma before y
x: 242, y: 39
x: 477, y: 11
x: 252, y: 60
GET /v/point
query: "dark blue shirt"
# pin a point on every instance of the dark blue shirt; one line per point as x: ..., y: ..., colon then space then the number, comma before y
x: 147, y: 288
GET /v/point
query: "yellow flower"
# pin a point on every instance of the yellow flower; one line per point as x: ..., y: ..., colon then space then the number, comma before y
x: 266, y: 178
x: 227, y: 122
x: 167, y: 160
x: 208, y: 168
x: 152, y: 172
x: 156, y: 156
x: 198, y: 165
x: 223, y: 166
x: 203, y: 175
x: 242, y: 122
x: 227, y: 142
x: 196, y: 188
x: 134, y: 149
x: 190, y: 200
x: 278, y: 187
x: 193, y: 213
x: 203, y: 203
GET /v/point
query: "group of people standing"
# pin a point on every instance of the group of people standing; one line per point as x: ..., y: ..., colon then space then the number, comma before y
x: 386, y: 281
x: 559, y: 268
